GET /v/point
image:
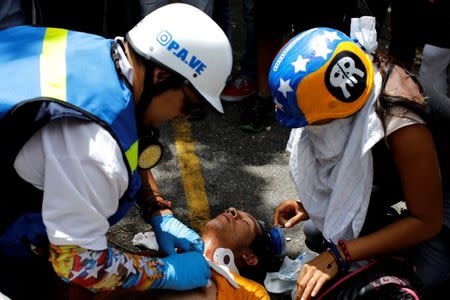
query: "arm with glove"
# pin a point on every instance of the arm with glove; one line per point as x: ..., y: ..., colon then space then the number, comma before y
x: 82, y: 256
x: 112, y: 269
x: 172, y: 235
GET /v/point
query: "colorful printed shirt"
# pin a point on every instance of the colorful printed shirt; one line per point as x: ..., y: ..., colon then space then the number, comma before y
x: 106, y: 270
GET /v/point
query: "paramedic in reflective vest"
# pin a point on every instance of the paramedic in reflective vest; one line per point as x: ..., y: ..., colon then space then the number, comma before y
x: 366, y: 135
x: 73, y: 109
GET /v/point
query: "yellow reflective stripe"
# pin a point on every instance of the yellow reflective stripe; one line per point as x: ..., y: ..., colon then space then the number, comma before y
x: 132, y: 156
x: 53, y: 64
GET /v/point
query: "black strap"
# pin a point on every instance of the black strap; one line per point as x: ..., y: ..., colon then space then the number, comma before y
x: 151, y: 90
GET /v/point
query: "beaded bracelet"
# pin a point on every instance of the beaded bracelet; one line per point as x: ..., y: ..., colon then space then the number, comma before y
x: 342, y: 265
x: 343, y: 247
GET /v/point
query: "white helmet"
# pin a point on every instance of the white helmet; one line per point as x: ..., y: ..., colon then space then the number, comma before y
x: 187, y: 41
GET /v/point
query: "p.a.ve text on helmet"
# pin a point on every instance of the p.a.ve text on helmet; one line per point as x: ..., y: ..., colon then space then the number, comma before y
x: 171, y: 45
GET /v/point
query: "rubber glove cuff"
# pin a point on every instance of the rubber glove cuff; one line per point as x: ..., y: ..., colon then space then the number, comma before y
x: 184, y: 271
x: 171, y: 233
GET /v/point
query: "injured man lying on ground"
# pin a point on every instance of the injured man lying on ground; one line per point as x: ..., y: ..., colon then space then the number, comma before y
x: 240, y: 251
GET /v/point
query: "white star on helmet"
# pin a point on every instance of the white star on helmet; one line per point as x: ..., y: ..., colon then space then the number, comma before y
x: 285, y: 87
x: 300, y: 64
x: 331, y: 36
x: 320, y: 47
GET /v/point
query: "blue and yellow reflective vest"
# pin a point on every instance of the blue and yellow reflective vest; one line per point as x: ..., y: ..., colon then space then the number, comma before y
x: 45, y: 74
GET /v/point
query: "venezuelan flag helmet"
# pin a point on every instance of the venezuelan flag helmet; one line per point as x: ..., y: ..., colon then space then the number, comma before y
x: 318, y: 75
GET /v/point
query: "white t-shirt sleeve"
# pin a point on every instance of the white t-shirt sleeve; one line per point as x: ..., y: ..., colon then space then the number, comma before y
x: 398, y: 117
x: 81, y: 170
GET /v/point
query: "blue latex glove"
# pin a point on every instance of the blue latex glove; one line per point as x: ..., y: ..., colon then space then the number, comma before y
x: 171, y: 233
x: 183, y: 271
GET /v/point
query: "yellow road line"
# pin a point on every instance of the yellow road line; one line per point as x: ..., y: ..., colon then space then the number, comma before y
x: 191, y: 174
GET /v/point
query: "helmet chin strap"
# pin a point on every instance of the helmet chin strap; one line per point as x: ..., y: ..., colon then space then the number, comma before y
x: 152, y: 90
x: 148, y: 135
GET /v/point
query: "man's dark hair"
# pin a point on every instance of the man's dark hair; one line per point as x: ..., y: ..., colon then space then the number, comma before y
x: 263, y: 248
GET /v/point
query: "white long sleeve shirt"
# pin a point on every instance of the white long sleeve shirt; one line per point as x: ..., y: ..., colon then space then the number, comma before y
x: 80, y: 168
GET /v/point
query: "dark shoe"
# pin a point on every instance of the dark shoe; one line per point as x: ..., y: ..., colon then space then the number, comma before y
x: 258, y: 115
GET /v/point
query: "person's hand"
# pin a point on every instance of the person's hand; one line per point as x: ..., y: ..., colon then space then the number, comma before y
x: 171, y: 234
x: 183, y: 271
x: 314, y: 274
x: 289, y: 213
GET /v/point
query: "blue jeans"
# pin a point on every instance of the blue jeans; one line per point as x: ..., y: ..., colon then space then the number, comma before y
x: 248, y: 60
x: 432, y: 259
x: 222, y: 16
